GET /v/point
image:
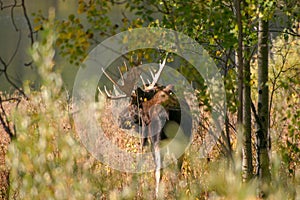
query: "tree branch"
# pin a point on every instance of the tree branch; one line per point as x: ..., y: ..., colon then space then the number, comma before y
x: 4, y: 120
x: 28, y: 22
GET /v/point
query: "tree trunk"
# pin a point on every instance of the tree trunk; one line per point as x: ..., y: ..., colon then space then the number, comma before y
x: 244, y: 109
x: 262, y: 132
x: 247, y: 139
x: 247, y: 165
x: 240, y: 65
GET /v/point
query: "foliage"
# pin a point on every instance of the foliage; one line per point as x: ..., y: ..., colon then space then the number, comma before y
x: 74, y: 38
x: 45, y: 159
x: 285, y: 103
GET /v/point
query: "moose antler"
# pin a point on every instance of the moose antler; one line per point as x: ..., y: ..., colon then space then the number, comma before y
x: 127, y: 84
x: 157, y: 75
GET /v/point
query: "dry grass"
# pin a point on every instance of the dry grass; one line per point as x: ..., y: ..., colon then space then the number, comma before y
x: 175, y: 184
x: 198, y: 179
x: 8, y: 106
x: 4, y: 172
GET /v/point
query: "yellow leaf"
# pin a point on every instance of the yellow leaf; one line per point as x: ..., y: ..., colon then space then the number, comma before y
x: 38, y: 27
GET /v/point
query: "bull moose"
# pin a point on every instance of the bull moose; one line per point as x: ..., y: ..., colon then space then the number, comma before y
x: 159, y: 114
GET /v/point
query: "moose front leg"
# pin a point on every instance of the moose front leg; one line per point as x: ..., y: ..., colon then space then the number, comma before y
x: 156, y: 153
x: 158, y: 116
x: 158, y: 165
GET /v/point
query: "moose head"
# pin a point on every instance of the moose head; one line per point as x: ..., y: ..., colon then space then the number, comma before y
x: 152, y: 110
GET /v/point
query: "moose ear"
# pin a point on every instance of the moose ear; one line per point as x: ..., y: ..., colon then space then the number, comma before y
x: 169, y: 88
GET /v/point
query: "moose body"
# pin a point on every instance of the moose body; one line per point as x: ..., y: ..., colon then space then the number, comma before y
x: 153, y: 111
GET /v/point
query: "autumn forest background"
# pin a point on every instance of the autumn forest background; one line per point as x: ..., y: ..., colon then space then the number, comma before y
x: 255, y: 45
